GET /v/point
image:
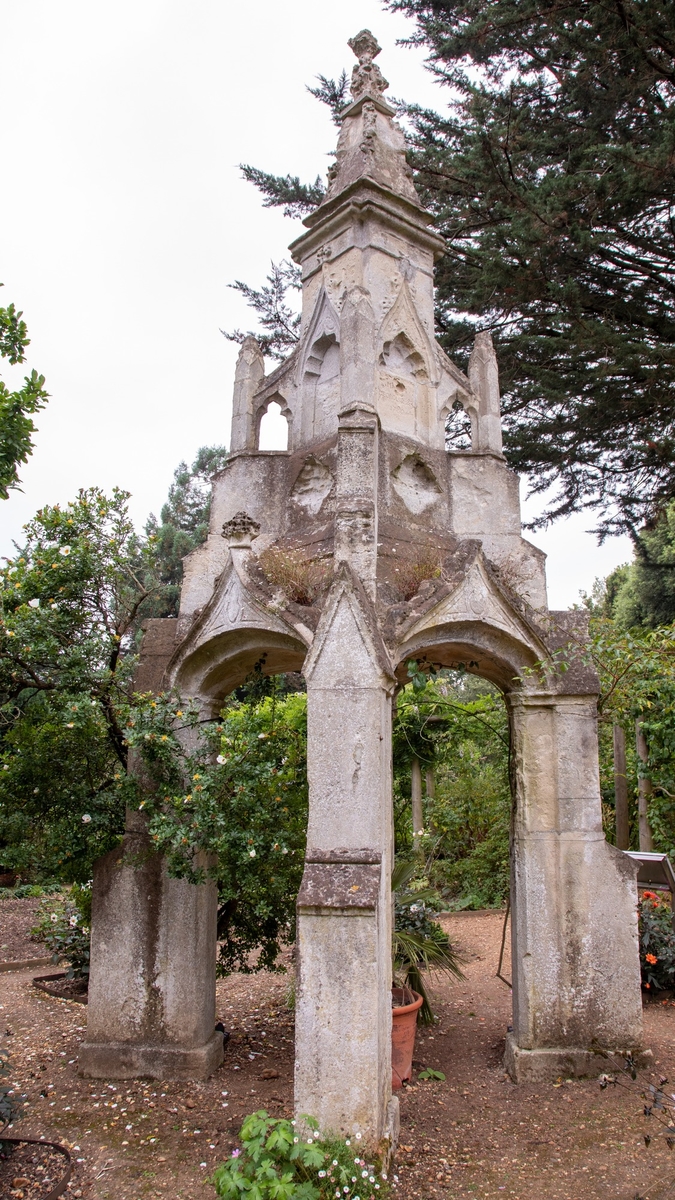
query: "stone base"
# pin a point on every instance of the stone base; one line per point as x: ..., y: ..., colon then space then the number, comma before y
x: 128, y: 1060
x: 538, y: 1066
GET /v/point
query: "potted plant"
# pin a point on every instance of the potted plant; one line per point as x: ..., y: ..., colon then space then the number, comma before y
x: 419, y: 944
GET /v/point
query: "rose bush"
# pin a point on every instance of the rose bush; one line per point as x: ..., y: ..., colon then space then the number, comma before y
x: 657, y: 942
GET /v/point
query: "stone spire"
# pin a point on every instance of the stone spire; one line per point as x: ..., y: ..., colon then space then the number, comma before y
x: 371, y: 145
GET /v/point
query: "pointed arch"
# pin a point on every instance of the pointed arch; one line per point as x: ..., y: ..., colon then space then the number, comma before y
x: 323, y: 329
x: 407, y: 370
x: 263, y: 407
x: 318, y: 373
x: 403, y: 327
x: 229, y: 636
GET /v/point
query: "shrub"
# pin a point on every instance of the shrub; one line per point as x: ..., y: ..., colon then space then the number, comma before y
x: 301, y: 578
x: 657, y: 942
x: 63, y: 926
x: 275, y: 1163
x: 23, y: 891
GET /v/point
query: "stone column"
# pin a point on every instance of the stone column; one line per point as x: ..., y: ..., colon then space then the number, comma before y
x: 248, y: 376
x: 416, y: 800
x: 644, y: 791
x: 576, y: 971
x: 343, y: 1000
x: 152, y: 988
x: 622, y: 831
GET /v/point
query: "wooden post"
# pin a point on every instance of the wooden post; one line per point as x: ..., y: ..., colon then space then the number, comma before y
x: 416, y: 793
x: 620, y: 788
x: 644, y: 791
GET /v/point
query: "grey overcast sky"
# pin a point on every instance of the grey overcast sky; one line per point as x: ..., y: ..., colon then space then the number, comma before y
x: 123, y: 218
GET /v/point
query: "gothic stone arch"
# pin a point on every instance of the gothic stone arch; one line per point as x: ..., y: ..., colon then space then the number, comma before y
x: 369, y: 491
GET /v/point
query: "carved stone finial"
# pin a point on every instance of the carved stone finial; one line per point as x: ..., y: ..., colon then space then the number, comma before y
x: 241, y: 529
x: 367, y: 78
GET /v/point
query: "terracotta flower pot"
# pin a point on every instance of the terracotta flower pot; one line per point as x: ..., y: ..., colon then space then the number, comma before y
x: 406, y: 1005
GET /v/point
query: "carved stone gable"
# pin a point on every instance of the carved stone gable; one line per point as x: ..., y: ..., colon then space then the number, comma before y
x: 348, y: 650
x: 477, y: 598
x: 233, y: 608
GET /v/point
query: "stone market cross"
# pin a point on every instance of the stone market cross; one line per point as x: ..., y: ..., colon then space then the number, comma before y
x: 368, y: 488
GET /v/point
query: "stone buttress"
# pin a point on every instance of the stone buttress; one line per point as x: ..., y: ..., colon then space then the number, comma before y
x: 423, y: 558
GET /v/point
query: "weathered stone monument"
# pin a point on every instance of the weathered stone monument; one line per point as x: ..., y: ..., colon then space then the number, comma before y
x: 368, y: 489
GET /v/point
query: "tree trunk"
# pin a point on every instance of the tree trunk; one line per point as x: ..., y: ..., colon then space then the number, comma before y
x: 416, y: 792
x: 430, y: 783
x: 644, y: 791
x: 620, y: 788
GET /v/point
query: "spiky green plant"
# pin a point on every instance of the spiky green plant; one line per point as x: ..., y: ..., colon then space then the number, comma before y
x: 418, y: 944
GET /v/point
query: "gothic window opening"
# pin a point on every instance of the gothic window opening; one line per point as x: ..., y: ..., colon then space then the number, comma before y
x: 273, y: 433
x: 458, y: 428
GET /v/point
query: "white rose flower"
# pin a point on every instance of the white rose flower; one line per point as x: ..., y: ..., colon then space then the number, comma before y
x: 86, y: 818
x: 251, y: 853
x: 65, y: 551
x: 34, y: 603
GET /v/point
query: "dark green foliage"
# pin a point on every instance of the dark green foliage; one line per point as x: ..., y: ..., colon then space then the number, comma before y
x: 334, y: 93
x: 642, y: 593
x: 552, y: 179
x: 458, y: 725
x: 274, y: 1163
x: 286, y: 191
x: 16, y: 408
x: 606, y: 756
x: 657, y: 942
x: 183, y: 523
x: 654, y: 703
x: 70, y: 607
x: 248, y: 810
x: 32, y: 891
x: 280, y: 322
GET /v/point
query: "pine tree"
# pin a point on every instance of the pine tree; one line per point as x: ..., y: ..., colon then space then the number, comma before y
x: 183, y: 523
x: 642, y: 593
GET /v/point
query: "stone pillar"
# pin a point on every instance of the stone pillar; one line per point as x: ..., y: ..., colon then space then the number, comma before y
x: 622, y: 832
x: 484, y: 380
x: 576, y: 970
x: 644, y: 792
x: 343, y: 1000
x: 152, y: 988
x: 248, y: 376
x: 416, y: 800
x: 358, y: 440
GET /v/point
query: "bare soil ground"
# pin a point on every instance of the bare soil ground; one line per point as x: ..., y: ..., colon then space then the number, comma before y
x: 474, y: 1135
x: 16, y: 919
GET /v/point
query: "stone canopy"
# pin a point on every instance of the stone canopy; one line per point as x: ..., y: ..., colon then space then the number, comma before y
x: 421, y: 556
